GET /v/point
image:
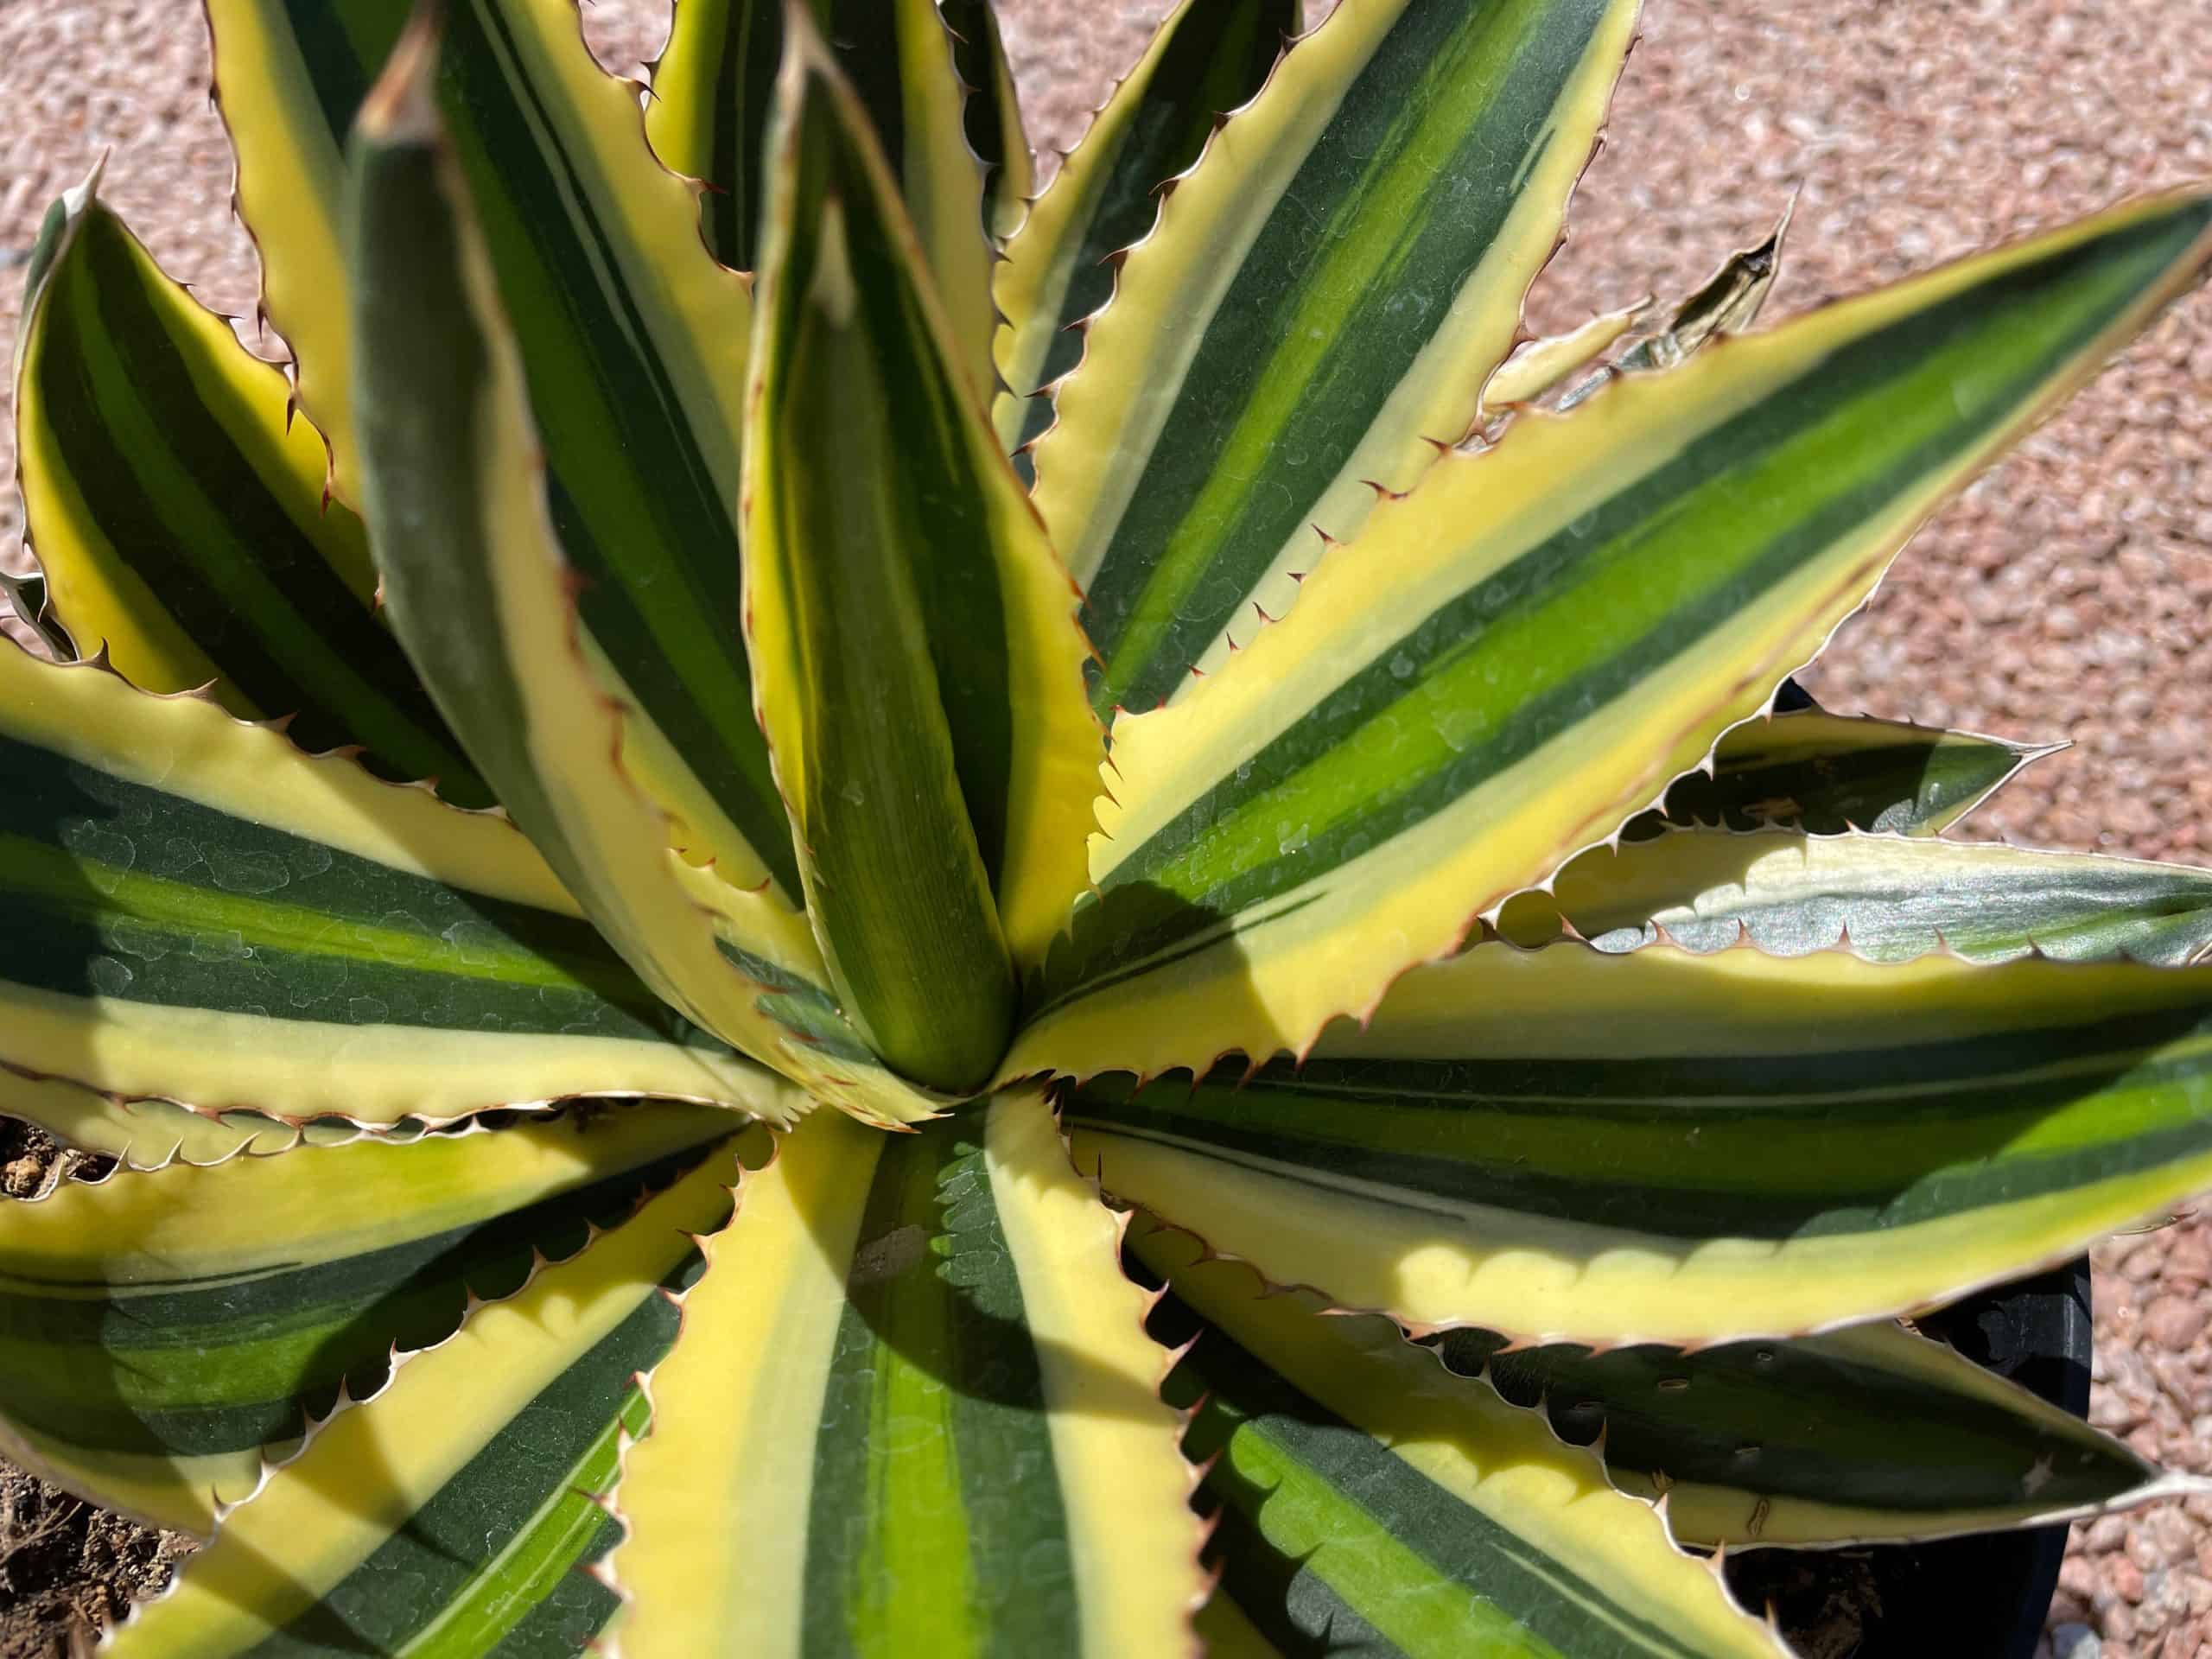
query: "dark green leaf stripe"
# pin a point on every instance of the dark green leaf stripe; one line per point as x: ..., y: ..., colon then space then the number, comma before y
x: 1736, y: 511
x: 864, y: 34
x: 936, y: 503
x: 932, y: 82
x: 488, y: 1565
x: 1891, y: 898
x: 752, y: 46
x: 157, y: 1367
x: 640, y: 508
x: 709, y: 113
x: 110, y: 888
x: 917, y: 592
x: 1408, y: 187
x: 802, y: 1006
x: 635, y: 502
x: 991, y: 118
x: 1329, y: 1543
x: 915, y: 1391
x: 1215, y: 56
x: 445, y: 1517
x: 149, y: 420
x: 1827, y: 774
x: 1815, y: 1143
x: 899, y: 57
x: 1833, y: 1421
x: 342, y: 44
x: 934, y: 1504
x: 476, y: 584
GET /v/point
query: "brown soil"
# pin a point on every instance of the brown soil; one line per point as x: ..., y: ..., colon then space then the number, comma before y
x: 1822, y: 1612
x: 66, y: 1568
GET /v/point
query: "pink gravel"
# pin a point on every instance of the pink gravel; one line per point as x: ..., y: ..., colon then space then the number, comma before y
x: 2069, y: 594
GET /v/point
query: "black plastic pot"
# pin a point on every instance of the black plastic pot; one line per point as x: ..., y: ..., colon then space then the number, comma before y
x: 1979, y: 1598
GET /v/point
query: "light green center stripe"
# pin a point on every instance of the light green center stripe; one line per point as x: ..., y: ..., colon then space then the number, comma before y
x: 936, y: 1524
x: 1398, y: 221
x: 203, y: 919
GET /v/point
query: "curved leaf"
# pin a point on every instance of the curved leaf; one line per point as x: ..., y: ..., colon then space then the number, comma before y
x: 1373, y: 1504
x: 1819, y: 773
x: 707, y: 116
x: 1707, y: 1148
x: 992, y: 118
x: 1527, y: 647
x: 1827, y: 774
x: 474, y: 575
x: 914, y: 1395
x: 917, y: 665
x: 447, y: 1515
x: 1727, y: 302
x: 158, y: 1331
x: 1206, y: 57
x: 1316, y: 308
x: 630, y: 339
x: 1867, y: 1434
x: 1886, y: 898
x: 961, y: 169
x: 192, y: 909
x: 1540, y: 365
x: 177, y: 511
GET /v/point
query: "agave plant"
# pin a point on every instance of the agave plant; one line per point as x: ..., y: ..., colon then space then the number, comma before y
x: 1160, y: 694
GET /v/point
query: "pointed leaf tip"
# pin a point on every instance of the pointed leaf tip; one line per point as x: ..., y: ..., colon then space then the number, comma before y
x: 401, y: 107
x: 928, y: 589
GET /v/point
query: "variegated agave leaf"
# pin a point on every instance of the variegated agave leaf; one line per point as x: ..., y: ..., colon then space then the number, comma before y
x: 1160, y: 674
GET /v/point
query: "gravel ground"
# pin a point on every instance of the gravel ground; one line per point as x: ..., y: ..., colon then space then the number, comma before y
x: 2069, y: 594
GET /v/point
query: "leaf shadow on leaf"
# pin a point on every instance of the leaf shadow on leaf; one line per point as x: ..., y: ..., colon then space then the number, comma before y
x: 1273, y: 1588
x: 355, y: 1312
x: 1814, y: 1423
x: 932, y: 1280
x: 500, y: 1498
x: 1139, y: 928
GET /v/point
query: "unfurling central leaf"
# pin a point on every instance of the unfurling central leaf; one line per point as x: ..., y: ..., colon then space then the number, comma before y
x: 916, y: 660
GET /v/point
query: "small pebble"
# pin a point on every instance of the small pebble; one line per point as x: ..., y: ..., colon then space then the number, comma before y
x: 2127, y: 1577
x: 2174, y: 1321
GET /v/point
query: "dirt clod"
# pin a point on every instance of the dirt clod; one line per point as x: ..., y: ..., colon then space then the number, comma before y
x: 1823, y: 1612
x: 66, y: 1568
